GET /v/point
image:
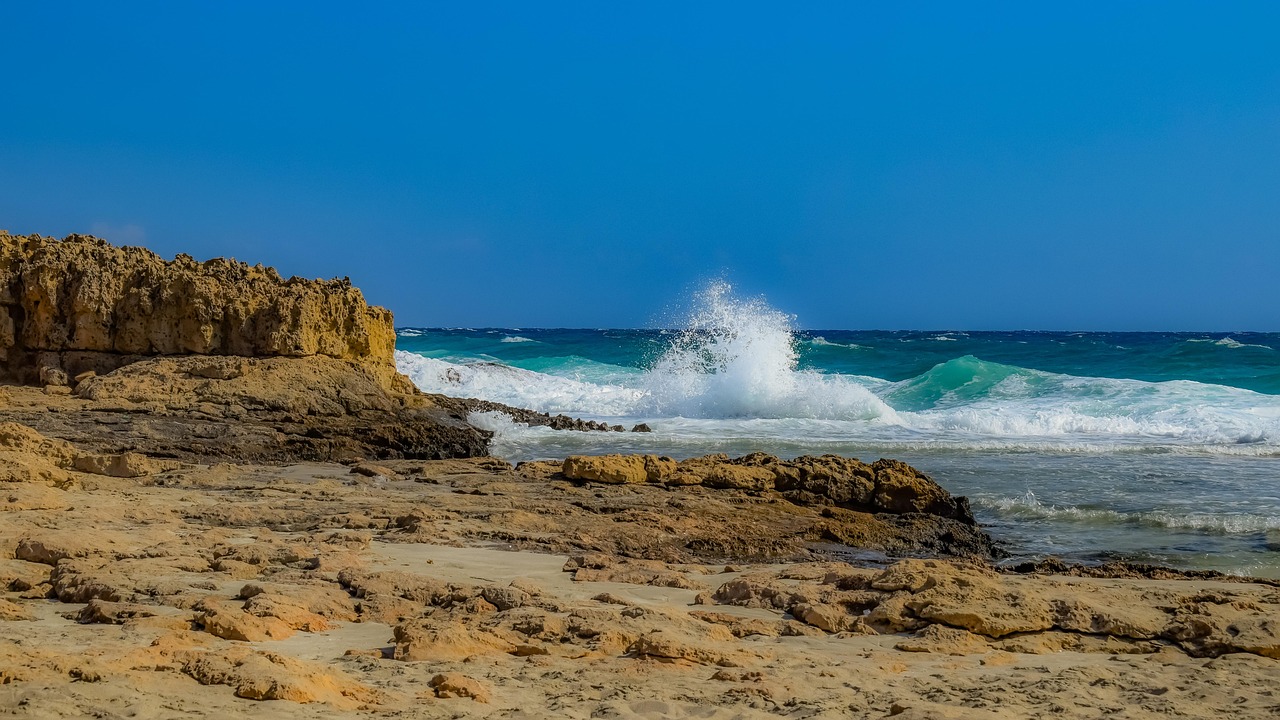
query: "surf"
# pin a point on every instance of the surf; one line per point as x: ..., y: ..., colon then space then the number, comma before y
x: 738, y: 358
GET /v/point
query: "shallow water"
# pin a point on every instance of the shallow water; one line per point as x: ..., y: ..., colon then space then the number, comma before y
x: 1159, y: 447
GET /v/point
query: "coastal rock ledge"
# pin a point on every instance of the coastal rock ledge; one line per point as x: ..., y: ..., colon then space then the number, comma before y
x: 81, y: 304
x: 886, y: 506
x: 208, y: 361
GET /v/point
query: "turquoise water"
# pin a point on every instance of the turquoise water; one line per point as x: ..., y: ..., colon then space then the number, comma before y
x: 1160, y: 447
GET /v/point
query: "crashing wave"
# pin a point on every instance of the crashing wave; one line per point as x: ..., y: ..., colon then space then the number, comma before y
x: 737, y: 360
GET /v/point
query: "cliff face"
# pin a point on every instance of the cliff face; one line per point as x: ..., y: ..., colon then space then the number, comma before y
x: 80, y: 303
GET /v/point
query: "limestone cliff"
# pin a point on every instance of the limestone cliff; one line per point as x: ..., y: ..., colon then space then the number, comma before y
x: 80, y: 303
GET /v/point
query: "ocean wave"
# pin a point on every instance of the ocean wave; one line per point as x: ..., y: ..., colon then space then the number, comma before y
x: 996, y: 407
x: 516, y: 387
x: 517, y: 339
x: 1229, y: 342
x: 819, y: 341
x: 1028, y: 507
x: 738, y: 360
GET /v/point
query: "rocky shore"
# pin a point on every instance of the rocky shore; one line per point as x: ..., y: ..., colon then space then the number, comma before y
x: 218, y: 497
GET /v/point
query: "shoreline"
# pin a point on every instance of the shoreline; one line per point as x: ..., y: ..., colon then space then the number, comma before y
x: 194, y: 533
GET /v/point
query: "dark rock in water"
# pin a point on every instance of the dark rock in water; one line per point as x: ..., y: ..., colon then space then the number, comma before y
x: 1126, y: 570
x: 910, y: 534
x: 932, y: 535
x: 460, y: 408
x: 642, y: 427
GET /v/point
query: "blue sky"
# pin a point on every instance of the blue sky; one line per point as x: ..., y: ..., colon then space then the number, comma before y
x: 882, y: 165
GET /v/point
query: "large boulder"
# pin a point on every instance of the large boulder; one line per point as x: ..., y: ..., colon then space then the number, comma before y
x: 611, y: 469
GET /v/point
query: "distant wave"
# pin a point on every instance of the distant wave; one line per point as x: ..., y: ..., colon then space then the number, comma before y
x: 1228, y: 342
x: 820, y: 341
x: 516, y: 339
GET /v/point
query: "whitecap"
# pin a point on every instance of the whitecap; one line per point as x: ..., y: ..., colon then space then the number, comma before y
x: 820, y: 341
x: 1233, y: 344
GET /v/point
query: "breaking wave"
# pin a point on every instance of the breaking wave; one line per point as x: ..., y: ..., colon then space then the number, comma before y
x: 737, y: 359
x: 1028, y: 507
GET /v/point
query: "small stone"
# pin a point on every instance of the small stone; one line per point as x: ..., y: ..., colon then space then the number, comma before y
x: 372, y: 470
x: 53, y: 375
x: 452, y: 684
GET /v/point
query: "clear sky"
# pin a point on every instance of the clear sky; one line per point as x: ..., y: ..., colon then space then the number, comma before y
x: 981, y: 165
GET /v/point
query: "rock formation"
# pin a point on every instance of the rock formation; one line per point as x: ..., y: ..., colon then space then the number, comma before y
x: 78, y: 304
x: 888, y: 505
x: 331, y: 594
x: 887, y: 486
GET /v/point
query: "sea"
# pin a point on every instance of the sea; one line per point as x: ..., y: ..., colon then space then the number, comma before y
x: 1086, y: 446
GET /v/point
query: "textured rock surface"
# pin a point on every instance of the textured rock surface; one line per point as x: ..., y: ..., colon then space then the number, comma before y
x: 887, y: 505
x: 964, y: 609
x: 78, y: 304
x: 209, y: 408
x: 887, y: 486
x: 366, y: 595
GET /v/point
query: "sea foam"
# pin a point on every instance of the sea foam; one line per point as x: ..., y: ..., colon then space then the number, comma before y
x: 737, y: 360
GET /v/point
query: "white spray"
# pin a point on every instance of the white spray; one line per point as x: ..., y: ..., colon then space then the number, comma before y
x: 738, y: 359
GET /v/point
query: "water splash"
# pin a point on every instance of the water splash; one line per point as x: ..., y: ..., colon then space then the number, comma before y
x: 738, y: 359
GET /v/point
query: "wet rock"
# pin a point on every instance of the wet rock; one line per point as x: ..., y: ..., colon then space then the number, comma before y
x: 888, y: 486
x: 902, y: 489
